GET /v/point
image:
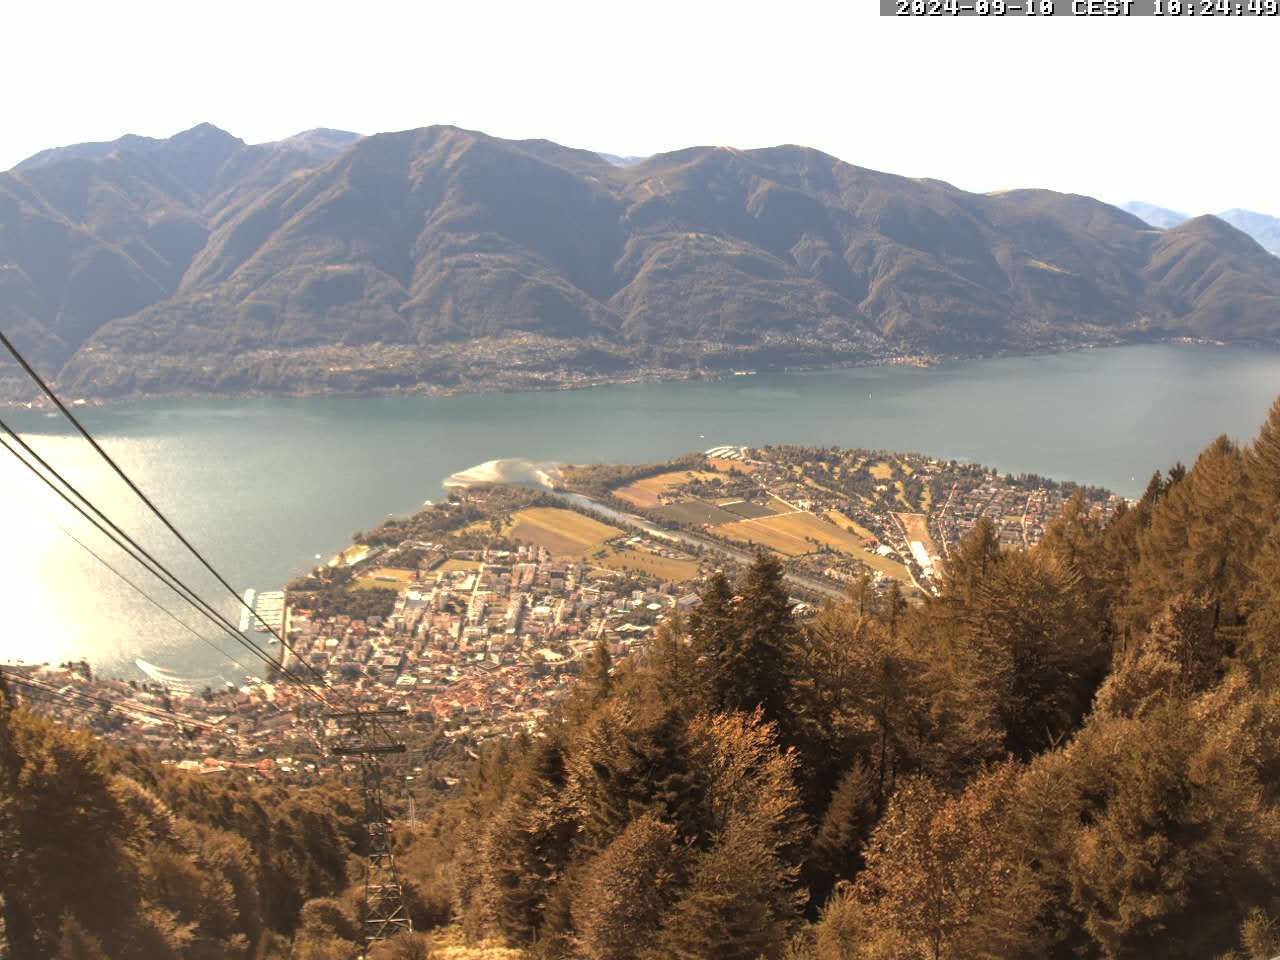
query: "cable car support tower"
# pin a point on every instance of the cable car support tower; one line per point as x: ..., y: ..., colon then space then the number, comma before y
x: 385, y: 915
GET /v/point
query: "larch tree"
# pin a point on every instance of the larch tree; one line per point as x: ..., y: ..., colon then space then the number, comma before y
x: 1262, y: 599
x: 933, y: 864
x: 742, y: 898
x: 1263, y: 464
x: 625, y: 891
x: 969, y: 565
x: 1036, y: 649
x: 1200, y: 540
x: 754, y: 671
x: 596, y: 674
x: 76, y: 943
x: 68, y: 839
x: 711, y: 630
x: 1180, y: 845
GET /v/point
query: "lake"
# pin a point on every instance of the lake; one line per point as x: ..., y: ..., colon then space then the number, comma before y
x: 264, y: 485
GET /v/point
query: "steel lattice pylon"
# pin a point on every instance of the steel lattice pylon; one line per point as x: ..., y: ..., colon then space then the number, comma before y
x: 385, y: 915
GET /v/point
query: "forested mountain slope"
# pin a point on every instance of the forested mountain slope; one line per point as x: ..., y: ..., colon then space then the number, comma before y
x: 108, y: 854
x: 200, y: 263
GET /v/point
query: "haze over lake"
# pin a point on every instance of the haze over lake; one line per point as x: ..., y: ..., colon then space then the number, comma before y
x: 263, y: 485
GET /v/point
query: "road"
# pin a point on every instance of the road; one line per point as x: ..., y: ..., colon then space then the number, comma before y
x: 946, y: 549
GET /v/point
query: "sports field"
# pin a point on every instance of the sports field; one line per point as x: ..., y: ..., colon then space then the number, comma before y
x: 451, y: 565
x: 393, y: 573
x: 385, y: 578
x: 563, y: 532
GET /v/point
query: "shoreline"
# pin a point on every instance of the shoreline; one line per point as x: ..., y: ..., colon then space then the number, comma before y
x: 574, y: 381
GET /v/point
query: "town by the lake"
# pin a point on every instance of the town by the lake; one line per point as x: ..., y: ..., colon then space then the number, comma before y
x: 472, y: 618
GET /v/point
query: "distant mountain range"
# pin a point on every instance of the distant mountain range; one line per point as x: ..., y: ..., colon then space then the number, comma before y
x: 622, y: 161
x: 1262, y: 227
x: 449, y: 258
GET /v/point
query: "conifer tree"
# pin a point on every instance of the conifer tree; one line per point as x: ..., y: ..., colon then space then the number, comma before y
x: 673, y: 670
x: 934, y: 863
x: 837, y: 852
x: 1156, y: 488
x: 75, y: 943
x: 1139, y: 683
x: 742, y: 899
x: 1264, y: 469
x: 1181, y: 849
x: 731, y: 909
x: 405, y: 946
x: 1260, y: 935
x: 1034, y: 648
x: 753, y: 673
x: 711, y: 640
x: 832, y: 664
x: 328, y: 929
x: 1078, y: 544
x: 629, y: 760
x: 975, y: 557
x: 625, y: 891
x: 855, y: 691
x: 895, y: 608
x: 527, y: 848
x: 1222, y: 536
x: 1185, y: 634
x: 597, y: 676
x: 1155, y: 576
x: 1201, y: 540
x: 69, y: 840
x: 1262, y: 599
x: 1121, y: 553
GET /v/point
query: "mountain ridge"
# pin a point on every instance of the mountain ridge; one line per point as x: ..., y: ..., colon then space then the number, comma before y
x: 1262, y: 227
x: 418, y: 258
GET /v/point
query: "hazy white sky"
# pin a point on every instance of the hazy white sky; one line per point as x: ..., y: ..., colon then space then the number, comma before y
x: 1176, y: 112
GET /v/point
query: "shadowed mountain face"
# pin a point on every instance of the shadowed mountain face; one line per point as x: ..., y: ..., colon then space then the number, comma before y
x: 429, y: 256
